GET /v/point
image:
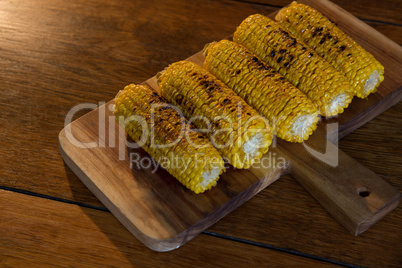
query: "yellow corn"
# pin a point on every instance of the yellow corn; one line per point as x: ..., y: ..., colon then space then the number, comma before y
x: 323, y: 84
x: 165, y: 134
x: 293, y: 114
x: 235, y: 129
x: 360, y: 67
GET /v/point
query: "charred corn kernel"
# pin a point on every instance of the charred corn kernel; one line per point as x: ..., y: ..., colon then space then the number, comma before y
x: 294, y: 115
x: 360, y: 67
x: 323, y: 84
x: 239, y: 133
x: 167, y: 136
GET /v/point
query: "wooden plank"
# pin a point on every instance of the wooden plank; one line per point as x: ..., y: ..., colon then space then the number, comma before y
x: 317, y: 233
x: 149, y: 202
x: 33, y: 119
x: 350, y: 192
x: 54, y: 234
x: 59, y: 62
x: 355, y: 196
x: 55, y: 180
x: 35, y: 126
x: 375, y: 145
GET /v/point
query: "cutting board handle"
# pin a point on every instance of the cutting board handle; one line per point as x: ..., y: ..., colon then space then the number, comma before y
x: 350, y: 192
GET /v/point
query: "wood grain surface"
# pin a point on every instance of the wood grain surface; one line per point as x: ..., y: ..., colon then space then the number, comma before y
x: 164, y: 215
x: 57, y: 54
x: 66, y: 235
x: 146, y: 199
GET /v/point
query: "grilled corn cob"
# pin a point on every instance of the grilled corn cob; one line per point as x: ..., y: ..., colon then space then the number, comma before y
x: 294, y: 115
x: 162, y: 132
x: 235, y: 129
x: 323, y: 84
x: 362, y: 70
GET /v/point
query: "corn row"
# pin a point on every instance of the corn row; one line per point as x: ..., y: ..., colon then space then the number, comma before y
x: 239, y: 133
x: 165, y: 134
x: 360, y: 67
x: 323, y: 84
x: 293, y: 114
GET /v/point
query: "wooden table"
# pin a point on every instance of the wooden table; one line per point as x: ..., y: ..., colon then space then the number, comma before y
x: 57, y: 54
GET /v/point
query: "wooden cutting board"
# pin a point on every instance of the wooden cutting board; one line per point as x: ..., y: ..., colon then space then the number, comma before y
x: 164, y: 215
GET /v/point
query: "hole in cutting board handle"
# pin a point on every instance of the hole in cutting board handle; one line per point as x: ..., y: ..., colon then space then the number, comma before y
x: 363, y: 192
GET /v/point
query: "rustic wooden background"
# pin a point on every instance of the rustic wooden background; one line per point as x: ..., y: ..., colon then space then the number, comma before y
x: 57, y: 54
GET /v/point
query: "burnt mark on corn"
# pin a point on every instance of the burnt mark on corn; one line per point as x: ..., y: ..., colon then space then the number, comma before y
x: 325, y: 37
x: 238, y: 72
x: 208, y: 85
x: 293, y: 42
x: 316, y: 31
x: 179, y: 99
x: 310, y: 55
x: 286, y: 64
x: 226, y: 101
x: 272, y: 54
x: 260, y: 64
x: 203, y: 82
x: 280, y: 59
x: 191, y: 109
x: 282, y: 51
x: 291, y: 57
x: 285, y: 33
x: 342, y: 48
